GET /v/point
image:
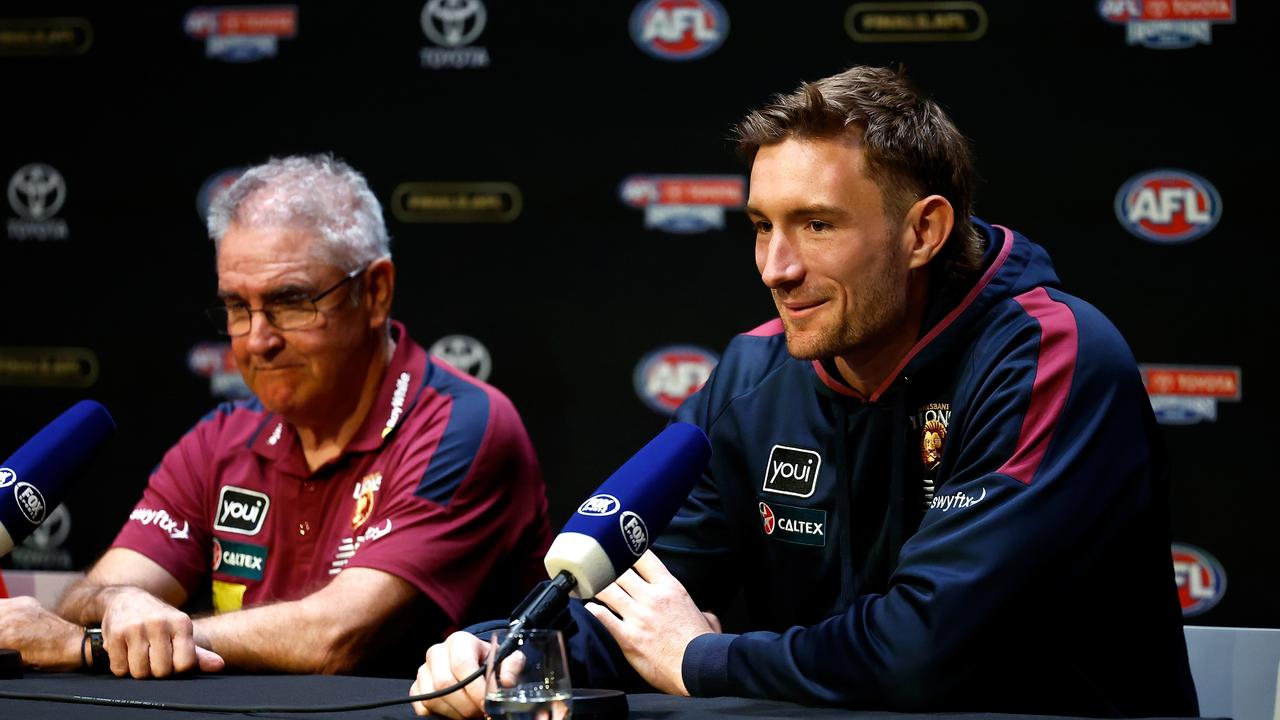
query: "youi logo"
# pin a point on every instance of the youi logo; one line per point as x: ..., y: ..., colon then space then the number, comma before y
x: 1168, y: 206
x: 792, y: 471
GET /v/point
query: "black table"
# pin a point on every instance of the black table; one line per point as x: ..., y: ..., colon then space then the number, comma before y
x: 289, y: 690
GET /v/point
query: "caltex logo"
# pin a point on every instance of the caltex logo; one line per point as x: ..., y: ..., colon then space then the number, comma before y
x: 1168, y: 206
x: 679, y: 30
x: 767, y: 517
x: 1200, y: 578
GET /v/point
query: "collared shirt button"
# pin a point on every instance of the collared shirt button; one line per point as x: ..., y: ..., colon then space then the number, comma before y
x: 304, y: 527
x: 309, y: 486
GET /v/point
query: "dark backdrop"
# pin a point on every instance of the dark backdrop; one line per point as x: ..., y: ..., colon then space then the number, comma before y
x: 571, y: 294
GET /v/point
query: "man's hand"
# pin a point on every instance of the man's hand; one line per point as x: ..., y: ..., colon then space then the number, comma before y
x: 46, y: 641
x: 147, y: 637
x: 658, y: 619
x: 447, y: 663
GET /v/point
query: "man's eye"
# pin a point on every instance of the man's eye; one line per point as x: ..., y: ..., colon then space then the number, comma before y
x: 762, y: 226
x: 819, y: 226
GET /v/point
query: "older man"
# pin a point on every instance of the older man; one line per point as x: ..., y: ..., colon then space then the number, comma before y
x: 915, y: 469
x: 366, y: 500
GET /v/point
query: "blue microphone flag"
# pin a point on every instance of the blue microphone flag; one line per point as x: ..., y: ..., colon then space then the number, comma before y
x: 613, y: 528
x: 32, y: 479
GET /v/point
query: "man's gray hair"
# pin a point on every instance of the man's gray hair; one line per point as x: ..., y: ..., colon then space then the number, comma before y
x: 313, y: 192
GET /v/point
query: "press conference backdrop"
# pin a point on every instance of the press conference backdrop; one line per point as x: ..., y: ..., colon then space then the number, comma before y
x: 565, y: 209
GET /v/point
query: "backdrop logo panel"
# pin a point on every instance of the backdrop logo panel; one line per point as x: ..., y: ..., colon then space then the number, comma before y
x: 464, y: 353
x: 667, y: 376
x: 1168, y: 206
x: 912, y: 22
x: 684, y: 203
x: 63, y: 367
x: 36, y: 193
x: 242, y: 33
x: 214, y: 186
x: 679, y: 30
x: 1200, y: 578
x: 1185, y: 395
x: 1168, y: 24
x: 453, y: 25
x: 215, y: 361
x: 456, y: 202
x: 44, y: 36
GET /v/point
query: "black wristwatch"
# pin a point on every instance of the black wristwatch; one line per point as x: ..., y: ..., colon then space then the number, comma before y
x: 96, y: 660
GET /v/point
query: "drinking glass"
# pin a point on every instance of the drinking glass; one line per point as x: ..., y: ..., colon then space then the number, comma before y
x: 532, y: 682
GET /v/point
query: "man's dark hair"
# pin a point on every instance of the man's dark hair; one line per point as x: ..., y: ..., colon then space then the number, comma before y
x: 912, y: 148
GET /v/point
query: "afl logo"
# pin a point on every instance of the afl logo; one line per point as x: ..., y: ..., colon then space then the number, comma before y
x: 1168, y: 206
x: 599, y: 506
x: 666, y: 377
x: 679, y: 30
x: 766, y: 516
x: 1200, y: 579
x: 214, y: 187
x: 634, y: 532
x: 217, y: 554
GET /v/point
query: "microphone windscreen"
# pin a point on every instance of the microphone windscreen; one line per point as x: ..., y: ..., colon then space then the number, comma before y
x: 614, y: 527
x: 32, y: 479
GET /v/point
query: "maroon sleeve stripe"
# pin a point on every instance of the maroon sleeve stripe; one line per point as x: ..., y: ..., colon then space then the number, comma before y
x: 1055, y: 368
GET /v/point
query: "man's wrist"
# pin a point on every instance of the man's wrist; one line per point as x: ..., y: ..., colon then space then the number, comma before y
x: 93, y: 656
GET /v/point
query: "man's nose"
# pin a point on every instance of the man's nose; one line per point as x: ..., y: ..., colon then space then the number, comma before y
x: 778, y: 261
x: 263, y: 337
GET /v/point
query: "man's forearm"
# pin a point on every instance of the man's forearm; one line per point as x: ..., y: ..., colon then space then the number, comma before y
x: 86, y: 602
x: 329, y: 631
x: 286, y: 637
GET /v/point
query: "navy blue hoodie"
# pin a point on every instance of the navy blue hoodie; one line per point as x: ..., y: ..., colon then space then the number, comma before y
x: 986, y: 531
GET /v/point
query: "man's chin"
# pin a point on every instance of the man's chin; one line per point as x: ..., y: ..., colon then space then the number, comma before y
x: 277, y: 400
x: 803, y: 346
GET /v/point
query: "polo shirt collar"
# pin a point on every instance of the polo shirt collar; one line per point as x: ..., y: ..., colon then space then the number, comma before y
x: 405, y: 377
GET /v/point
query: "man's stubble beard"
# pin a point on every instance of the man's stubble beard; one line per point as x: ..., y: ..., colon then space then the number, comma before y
x: 877, y: 307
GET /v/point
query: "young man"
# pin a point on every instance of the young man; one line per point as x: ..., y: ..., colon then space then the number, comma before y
x: 914, y: 469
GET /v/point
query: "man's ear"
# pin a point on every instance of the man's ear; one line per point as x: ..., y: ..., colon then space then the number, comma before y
x: 379, y: 289
x: 927, y: 226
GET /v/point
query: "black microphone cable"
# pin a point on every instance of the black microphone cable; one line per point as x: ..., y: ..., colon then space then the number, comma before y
x: 247, y: 709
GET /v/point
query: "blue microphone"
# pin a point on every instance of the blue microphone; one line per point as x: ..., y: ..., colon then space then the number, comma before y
x: 32, y: 479
x: 613, y: 528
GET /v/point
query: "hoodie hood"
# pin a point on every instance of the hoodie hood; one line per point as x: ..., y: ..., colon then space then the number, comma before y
x: 1013, y: 265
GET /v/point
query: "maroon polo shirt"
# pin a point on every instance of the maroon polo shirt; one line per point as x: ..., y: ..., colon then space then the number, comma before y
x: 439, y: 487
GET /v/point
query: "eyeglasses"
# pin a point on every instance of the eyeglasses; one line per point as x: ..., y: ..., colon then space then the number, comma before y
x: 236, y: 320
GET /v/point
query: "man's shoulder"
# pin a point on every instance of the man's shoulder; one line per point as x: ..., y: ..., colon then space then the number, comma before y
x: 1045, y: 333
x: 454, y: 409
x: 751, y: 362
x: 1051, y: 319
x: 757, y: 352
x: 233, y: 418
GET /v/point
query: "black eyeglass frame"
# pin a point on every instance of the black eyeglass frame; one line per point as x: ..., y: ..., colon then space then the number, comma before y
x: 220, y: 315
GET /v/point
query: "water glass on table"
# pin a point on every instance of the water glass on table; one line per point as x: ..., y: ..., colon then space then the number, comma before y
x: 532, y: 682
